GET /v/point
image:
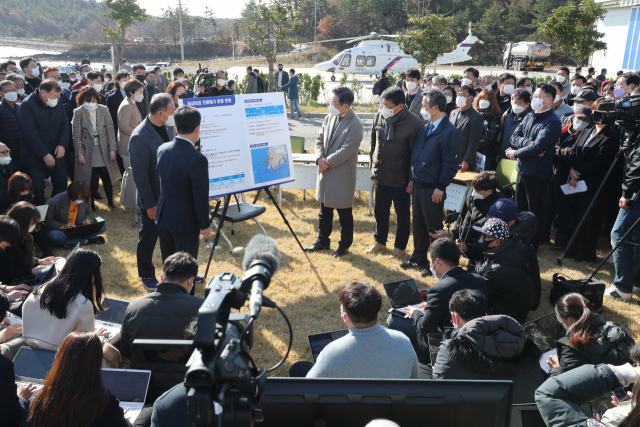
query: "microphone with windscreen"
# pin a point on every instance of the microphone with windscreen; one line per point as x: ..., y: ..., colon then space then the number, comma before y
x: 260, y: 263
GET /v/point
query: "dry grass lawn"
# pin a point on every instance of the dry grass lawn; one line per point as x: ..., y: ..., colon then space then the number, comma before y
x: 306, y: 285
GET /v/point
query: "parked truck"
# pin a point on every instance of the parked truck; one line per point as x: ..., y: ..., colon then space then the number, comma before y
x: 526, y: 56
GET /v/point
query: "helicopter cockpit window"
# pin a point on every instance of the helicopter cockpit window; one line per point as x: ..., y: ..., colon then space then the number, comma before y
x: 360, y: 60
x: 336, y: 59
x: 346, y: 60
x: 371, y: 61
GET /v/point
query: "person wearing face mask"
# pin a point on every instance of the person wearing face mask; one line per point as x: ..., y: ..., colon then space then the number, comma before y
x: 584, y: 99
x: 450, y: 97
x: 292, y: 88
x: 32, y: 73
x: 45, y: 131
x: 126, y: 66
x: 337, y: 146
x: 439, y: 82
x: 393, y: 136
x: 113, y: 101
x: 178, y: 91
x: 506, y: 83
x: 129, y: 117
x: 219, y: 89
x: 163, y: 82
x: 54, y: 73
x: 470, y: 77
x: 68, y: 210
x: 139, y: 73
x: 10, y: 126
x: 576, y: 83
x: 525, y: 83
x: 413, y: 99
x: 18, y: 81
x: 7, y: 169
x: 487, y: 104
x: 433, y: 316
x: 561, y: 109
x: 83, y: 70
x: 93, y: 79
x: 474, y: 351
x: 563, y: 77
x: 625, y: 84
x: 95, y: 144
x: 155, y: 130
x: 256, y: 73
x: 533, y: 145
x: 486, y: 83
x: 455, y: 84
x: 506, y: 267
x: 183, y: 204
x: 151, y: 82
x: 252, y: 82
x: 189, y: 94
x: 282, y: 78
x: 589, y: 340
x: 231, y: 84
x: 520, y: 107
x: 470, y: 125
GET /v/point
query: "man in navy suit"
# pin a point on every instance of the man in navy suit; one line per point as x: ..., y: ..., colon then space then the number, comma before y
x: 143, y: 146
x: 114, y: 99
x: 183, y: 206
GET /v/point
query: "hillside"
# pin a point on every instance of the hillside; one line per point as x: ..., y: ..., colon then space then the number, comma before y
x: 38, y: 18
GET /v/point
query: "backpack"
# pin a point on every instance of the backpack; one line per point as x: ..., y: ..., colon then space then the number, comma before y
x: 376, y: 87
x: 128, y: 193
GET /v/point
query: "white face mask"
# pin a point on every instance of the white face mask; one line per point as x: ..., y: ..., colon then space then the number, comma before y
x: 425, y: 114
x: 433, y: 271
x: 488, y: 87
x: 575, y: 90
x: 461, y: 101
x: 579, y: 125
x: 466, y: 81
x: 529, y: 89
x: 449, y: 99
x: 476, y: 195
x: 21, y: 92
x: 411, y: 86
x: 4, y: 161
x: 560, y: 79
x: 122, y: 84
x: 97, y: 86
x: 91, y: 106
x: 86, y: 74
x: 508, y: 89
x: 387, y: 112
x: 65, y: 85
x: 11, y: 96
x: 50, y: 102
x: 536, y: 104
x: 126, y: 63
x: 107, y: 80
x: 179, y: 79
x: 484, y: 104
x: 77, y: 202
x: 333, y: 110
x: 221, y: 82
x: 517, y: 108
x: 170, y: 120
x: 556, y: 99
x: 35, y: 71
x: 138, y: 97
x: 32, y: 227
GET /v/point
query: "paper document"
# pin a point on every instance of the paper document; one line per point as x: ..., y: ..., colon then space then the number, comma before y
x: 543, y: 359
x: 579, y: 188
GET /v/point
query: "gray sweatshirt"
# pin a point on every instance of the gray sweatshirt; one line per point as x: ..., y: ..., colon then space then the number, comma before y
x: 373, y: 352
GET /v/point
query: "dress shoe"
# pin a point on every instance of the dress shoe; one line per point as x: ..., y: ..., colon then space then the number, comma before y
x: 111, y: 206
x: 425, y: 272
x: 397, y: 253
x: 411, y: 264
x: 375, y: 248
x: 98, y: 240
x: 97, y: 196
x: 340, y: 252
x: 317, y: 246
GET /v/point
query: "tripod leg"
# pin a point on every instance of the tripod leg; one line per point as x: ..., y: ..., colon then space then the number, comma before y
x: 227, y: 200
x: 266, y: 190
x: 618, y: 244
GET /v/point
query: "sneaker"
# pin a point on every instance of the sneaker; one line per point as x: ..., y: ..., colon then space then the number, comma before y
x: 411, y: 264
x: 397, y: 253
x: 616, y: 293
x: 375, y: 248
x: 98, y: 240
x: 199, y: 278
x: 150, y: 283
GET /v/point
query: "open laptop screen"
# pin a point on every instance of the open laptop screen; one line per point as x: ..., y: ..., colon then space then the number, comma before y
x: 403, y: 293
x: 33, y: 364
x: 318, y: 342
x: 128, y: 385
x: 115, y: 309
x: 548, y: 327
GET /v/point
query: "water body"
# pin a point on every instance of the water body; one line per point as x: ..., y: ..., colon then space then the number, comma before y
x: 12, y: 51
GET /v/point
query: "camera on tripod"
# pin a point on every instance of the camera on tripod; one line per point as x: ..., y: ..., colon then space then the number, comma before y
x: 625, y: 112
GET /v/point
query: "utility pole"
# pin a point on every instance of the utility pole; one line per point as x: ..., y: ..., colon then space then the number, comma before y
x: 181, y: 36
x: 315, y: 19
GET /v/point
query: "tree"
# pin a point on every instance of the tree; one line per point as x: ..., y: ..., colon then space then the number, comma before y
x: 574, y: 28
x: 428, y: 37
x: 279, y: 22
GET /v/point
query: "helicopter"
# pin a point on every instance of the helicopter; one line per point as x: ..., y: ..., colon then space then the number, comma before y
x: 375, y: 53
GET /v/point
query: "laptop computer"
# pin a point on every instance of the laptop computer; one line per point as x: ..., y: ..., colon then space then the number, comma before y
x: 112, y: 317
x: 31, y: 365
x: 526, y: 415
x: 84, y: 230
x: 57, y: 267
x: 551, y: 330
x: 317, y: 342
x: 401, y: 295
x: 130, y: 387
x: 43, y: 211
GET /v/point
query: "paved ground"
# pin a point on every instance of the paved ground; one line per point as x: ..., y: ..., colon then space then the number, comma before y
x: 309, y: 129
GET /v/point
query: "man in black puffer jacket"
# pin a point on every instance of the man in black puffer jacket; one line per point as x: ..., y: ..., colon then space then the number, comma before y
x: 9, y: 122
x: 489, y: 348
x: 505, y: 266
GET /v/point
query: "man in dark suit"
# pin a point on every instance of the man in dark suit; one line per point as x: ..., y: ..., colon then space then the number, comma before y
x: 256, y: 72
x: 282, y: 78
x: 413, y: 96
x: 7, y: 168
x: 143, y: 146
x: 433, y: 316
x: 183, y: 205
x: 114, y: 99
x: 470, y: 124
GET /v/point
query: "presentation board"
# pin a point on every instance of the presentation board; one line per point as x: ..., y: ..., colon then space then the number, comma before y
x: 246, y: 141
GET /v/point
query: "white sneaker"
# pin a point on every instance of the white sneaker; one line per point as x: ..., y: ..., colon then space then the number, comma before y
x: 616, y: 293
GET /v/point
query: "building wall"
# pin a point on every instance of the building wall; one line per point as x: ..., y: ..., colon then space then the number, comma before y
x: 621, y: 28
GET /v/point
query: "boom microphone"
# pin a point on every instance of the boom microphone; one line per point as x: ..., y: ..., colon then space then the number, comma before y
x: 260, y: 263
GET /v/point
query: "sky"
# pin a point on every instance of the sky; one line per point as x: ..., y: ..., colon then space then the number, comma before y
x: 221, y: 9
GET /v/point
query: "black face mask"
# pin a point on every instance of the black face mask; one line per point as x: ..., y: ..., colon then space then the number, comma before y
x: 183, y: 96
x: 141, y: 79
x: 25, y: 197
x: 484, y: 244
x: 1, y: 249
x: 279, y: 69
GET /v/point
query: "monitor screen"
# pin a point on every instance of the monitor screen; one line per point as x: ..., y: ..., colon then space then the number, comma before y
x: 115, y: 309
x: 318, y: 342
x: 127, y: 385
x: 355, y: 402
x: 402, y: 293
x: 33, y: 363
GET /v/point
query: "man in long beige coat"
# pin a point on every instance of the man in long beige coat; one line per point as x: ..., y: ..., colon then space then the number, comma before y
x: 337, y: 156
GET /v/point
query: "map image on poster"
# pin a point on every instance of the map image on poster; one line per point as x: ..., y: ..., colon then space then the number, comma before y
x: 270, y: 163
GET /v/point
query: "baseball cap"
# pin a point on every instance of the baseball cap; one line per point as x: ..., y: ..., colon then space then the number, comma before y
x: 583, y: 110
x: 586, y: 95
x: 504, y: 209
x: 495, y: 227
x: 455, y: 82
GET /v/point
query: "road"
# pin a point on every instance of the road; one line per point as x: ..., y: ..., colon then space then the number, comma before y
x: 308, y: 128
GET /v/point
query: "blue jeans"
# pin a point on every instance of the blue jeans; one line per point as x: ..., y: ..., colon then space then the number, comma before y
x: 406, y: 326
x: 294, y: 102
x: 626, y: 257
x: 58, y: 238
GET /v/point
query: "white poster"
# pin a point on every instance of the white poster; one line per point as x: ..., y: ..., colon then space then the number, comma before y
x: 246, y: 141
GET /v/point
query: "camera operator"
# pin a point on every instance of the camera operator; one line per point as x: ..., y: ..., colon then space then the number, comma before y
x: 220, y: 88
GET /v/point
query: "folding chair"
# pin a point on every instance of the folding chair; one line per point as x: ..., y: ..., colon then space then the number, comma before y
x: 507, y: 174
x: 237, y: 212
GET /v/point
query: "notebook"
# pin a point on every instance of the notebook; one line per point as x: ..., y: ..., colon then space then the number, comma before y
x: 317, y: 342
x: 31, y: 365
x: 130, y: 387
x: 112, y: 317
x: 43, y: 211
x: 401, y: 295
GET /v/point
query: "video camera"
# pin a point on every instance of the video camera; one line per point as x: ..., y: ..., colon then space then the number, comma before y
x: 626, y: 114
x: 205, y: 78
